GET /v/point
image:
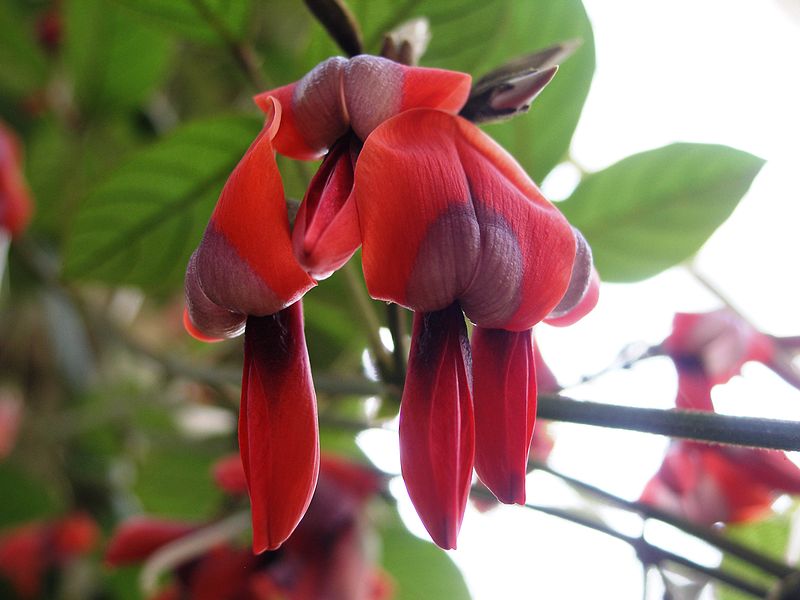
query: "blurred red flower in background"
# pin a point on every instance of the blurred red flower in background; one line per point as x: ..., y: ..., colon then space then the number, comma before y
x: 708, y: 483
x: 327, y: 556
x: 29, y: 552
x: 15, y: 197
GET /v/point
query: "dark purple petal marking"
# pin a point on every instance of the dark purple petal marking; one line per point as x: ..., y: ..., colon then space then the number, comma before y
x: 318, y: 104
x: 580, y: 279
x: 469, y: 254
x: 445, y: 263
x: 208, y: 317
x: 228, y: 281
x: 494, y: 293
x: 372, y: 92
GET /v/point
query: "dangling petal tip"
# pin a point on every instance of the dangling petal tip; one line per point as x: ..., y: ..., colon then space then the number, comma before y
x: 194, y: 331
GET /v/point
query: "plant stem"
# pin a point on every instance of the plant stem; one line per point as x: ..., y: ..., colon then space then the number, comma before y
x: 706, y: 283
x: 694, y: 425
x: 647, y: 553
x: 727, y: 545
x: 372, y: 324
x: 242, y: 53
x: 395, y: 316
x: 176, y: 553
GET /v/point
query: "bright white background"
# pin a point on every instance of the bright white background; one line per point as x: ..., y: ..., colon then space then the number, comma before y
x: 716, y: 71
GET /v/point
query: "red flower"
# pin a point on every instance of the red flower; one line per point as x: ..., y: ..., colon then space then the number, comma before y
x: 707, y: 484
x: 326, y: 557
x: 448, y: 222
x: 229, y: 476
x: 460, y: 226
x: 138, y: 537
x: 710, y: 348
x: 15, y: 198
x: 10, y: 417
x: 29, y: 551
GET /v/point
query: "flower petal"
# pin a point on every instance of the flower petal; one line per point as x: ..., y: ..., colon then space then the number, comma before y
x: 137, y: 538
x: 278, y: 433
x: 694, y: 391
x: 376, y: 89
x: 436, y: 423
x: 504, y: 379
x: 15, y: 198
x: 204, y: 320
x: 23, y: 558
x: 221, y: 573
x: 245, y: 262
x: 447, y: 215
x: 326, y: 233
x: 359, y: 93
x: 314, y: 115
x: 770, y: 468
x: 718, y: 342
x: 228, y: 474
x: 583, y: 291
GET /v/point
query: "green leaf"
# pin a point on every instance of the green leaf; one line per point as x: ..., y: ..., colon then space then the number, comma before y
x: 175, y: 481
x: 23, y: 66
x: 653, y: 210
x: 192, y: 18
x: 329, y: 315
x: 140, y: 226
x: 769, y: 536
x: 420, y: 570
x: 23, y: 497
x: 114, y: 61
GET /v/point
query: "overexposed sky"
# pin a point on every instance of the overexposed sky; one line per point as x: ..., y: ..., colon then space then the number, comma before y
x: 713, y: 71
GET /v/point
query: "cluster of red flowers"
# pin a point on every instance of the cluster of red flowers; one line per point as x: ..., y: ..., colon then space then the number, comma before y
x: 710, y: 483
x: 327, y: 556
x: 449, y: 224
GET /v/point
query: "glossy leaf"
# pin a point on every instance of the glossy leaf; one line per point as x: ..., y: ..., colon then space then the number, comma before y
x: 114, y: 60
x: 769, y: 536
x: 652, y: 210
x: 187, y: 18
x: 140, y: 226
x: 419, y: 569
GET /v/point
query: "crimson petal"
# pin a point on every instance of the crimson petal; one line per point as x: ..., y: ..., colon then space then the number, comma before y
x: 138, y: 537
x: 278, y: 433
x: 15, y: 197
x: 458, y: 220
x: 245, y: 262
x: 326, y: 230
x: 437, y: 435
x: 504, y: 379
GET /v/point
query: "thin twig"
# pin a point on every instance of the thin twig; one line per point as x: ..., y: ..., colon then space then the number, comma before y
x: 396, y: 318
x: 371, y: 321
x: 242, y: 53
x: 693, y: 425
x: 647, y: 552
x: 691, y: 267
x: 727, y: 545
x: 176, y: 553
